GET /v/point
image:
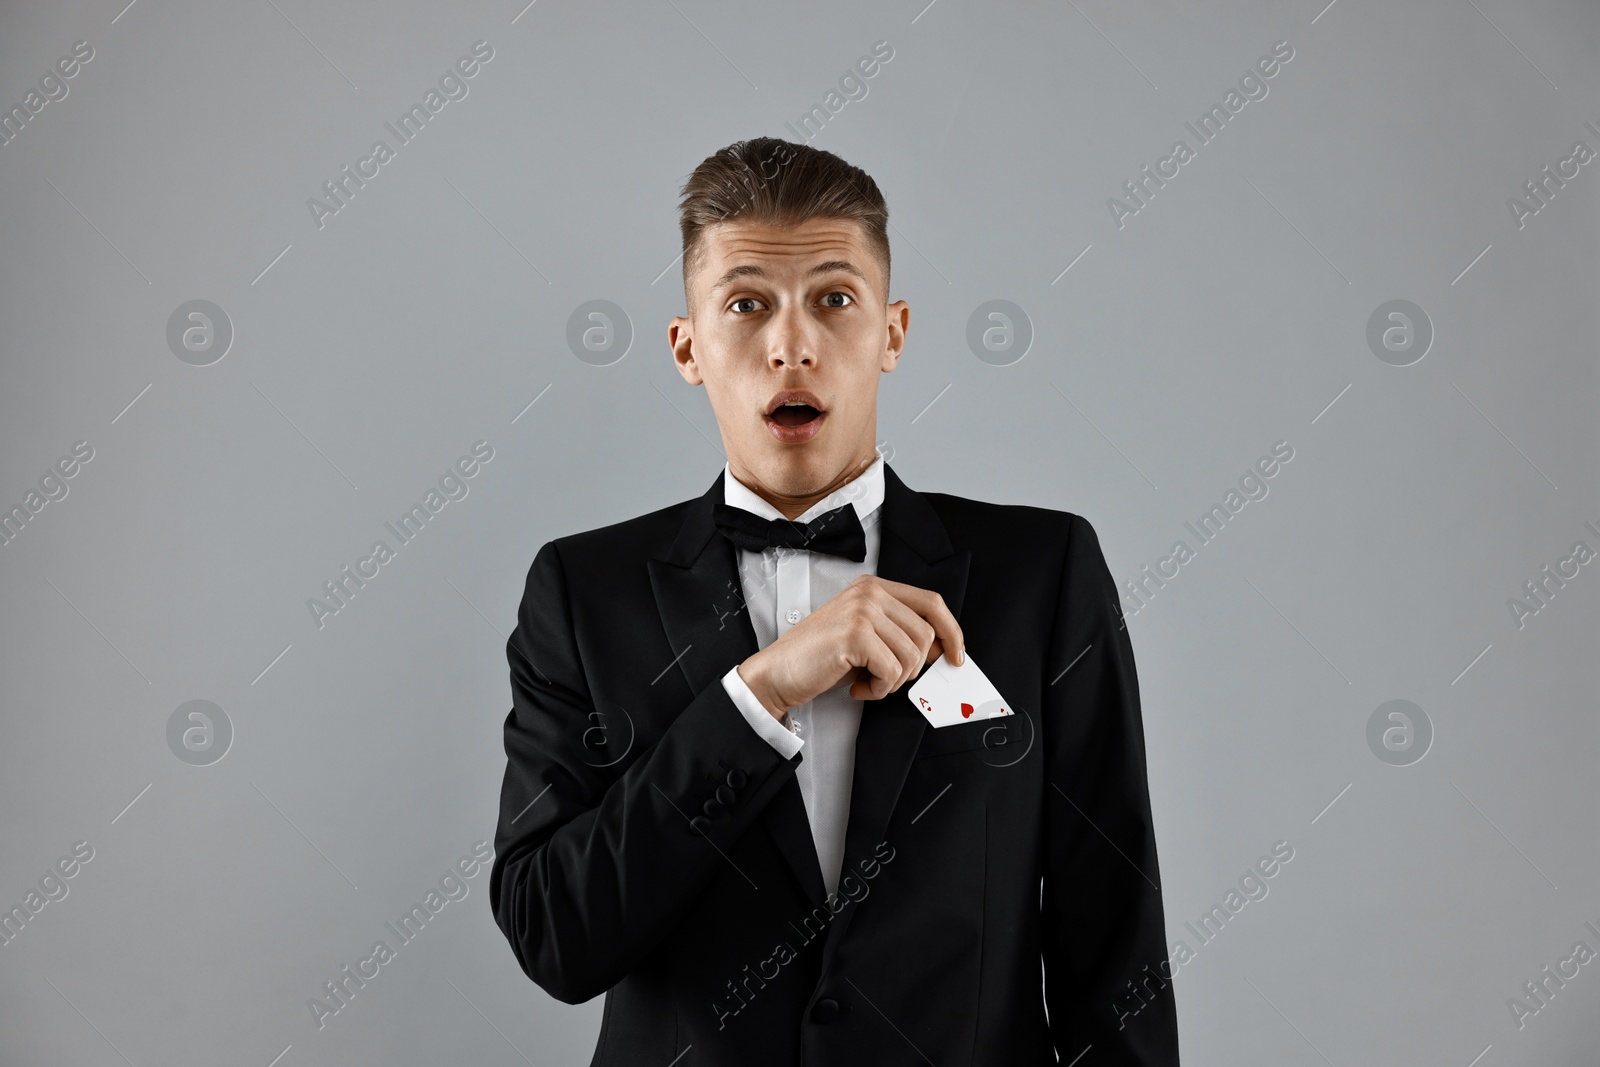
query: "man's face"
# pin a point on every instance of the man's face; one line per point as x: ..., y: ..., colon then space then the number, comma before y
x: 778, y: 311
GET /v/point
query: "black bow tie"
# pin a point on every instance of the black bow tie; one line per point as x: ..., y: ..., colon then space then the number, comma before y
x: 837, y: 532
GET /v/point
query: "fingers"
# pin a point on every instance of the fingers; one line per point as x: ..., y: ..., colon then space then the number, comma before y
x: 882, y: 665
x: 909, y: 636
x: 906, y: 644
x: 931, y: 607
x: 906, y: 629
x: 945, y: 627
x: 913, y: 627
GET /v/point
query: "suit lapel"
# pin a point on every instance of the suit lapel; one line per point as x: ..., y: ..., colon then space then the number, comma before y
x: 701, y: 603
x: 697, y: 592
x: 916, y: 550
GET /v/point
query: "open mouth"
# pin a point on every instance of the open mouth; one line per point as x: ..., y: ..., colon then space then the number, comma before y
x: 791, y: 415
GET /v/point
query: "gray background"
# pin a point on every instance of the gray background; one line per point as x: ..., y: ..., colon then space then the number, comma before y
x: 1230, y: 313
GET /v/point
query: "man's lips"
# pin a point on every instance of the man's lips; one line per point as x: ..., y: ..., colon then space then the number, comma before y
x: 795, y: 425
x: 793, y: 414
x: 792, y: 396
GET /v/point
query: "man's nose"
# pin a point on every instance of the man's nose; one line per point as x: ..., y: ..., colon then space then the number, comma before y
x: 792, y: 341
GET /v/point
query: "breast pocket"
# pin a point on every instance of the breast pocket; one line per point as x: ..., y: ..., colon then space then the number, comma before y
x: 997, y: 733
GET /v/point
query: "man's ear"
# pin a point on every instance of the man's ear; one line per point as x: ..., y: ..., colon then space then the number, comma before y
x: 899, y: 320
x: 681, y: 341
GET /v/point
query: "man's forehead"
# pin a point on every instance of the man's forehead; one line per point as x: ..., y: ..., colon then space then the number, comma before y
x: 762, y: 238
x: 742, y: 249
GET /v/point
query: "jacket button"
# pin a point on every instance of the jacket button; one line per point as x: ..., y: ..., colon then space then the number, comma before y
x: 825, y: 1011
x: 700, y: 824
x: 725, y: 796
x: 712, y: 808
x: 736, y: 779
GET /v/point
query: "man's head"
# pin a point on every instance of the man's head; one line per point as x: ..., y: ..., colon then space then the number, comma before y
x: 786, y: 278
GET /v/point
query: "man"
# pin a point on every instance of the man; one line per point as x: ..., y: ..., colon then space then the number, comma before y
x: 721, y: 809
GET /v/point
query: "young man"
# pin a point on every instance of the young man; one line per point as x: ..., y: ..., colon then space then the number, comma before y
x: 720, y: 807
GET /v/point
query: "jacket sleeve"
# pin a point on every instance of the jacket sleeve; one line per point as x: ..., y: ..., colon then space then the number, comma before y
x: 1107, y: 977
x: 596, y: 857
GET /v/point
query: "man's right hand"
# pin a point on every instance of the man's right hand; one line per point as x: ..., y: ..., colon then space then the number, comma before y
x: 885, y: 632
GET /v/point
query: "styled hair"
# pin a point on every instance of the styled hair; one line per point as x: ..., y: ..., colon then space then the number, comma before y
x: 777, y: 182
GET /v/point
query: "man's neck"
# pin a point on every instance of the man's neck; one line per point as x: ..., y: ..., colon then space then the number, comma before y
x: 792, y: 507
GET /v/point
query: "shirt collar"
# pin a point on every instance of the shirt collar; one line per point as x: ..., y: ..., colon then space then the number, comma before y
x: 865, y: 491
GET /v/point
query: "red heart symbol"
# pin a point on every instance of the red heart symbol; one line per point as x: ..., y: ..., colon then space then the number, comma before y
x: 966, y: 711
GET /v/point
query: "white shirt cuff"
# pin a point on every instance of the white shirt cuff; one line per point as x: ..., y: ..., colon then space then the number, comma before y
x: 761, y: 721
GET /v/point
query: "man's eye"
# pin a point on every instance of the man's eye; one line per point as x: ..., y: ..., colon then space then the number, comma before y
x: 744, y: 300
x: 846, y: 296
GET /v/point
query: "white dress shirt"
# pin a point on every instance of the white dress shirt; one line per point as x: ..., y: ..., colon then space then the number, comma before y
x: 781, y: 586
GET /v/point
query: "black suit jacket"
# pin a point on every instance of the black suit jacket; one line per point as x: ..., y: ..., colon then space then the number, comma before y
x: 652, y: 847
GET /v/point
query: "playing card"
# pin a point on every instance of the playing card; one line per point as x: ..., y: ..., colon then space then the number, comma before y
x: 947, y: 694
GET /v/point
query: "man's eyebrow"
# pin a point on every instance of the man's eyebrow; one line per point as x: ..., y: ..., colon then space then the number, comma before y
x: 750, y: 270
